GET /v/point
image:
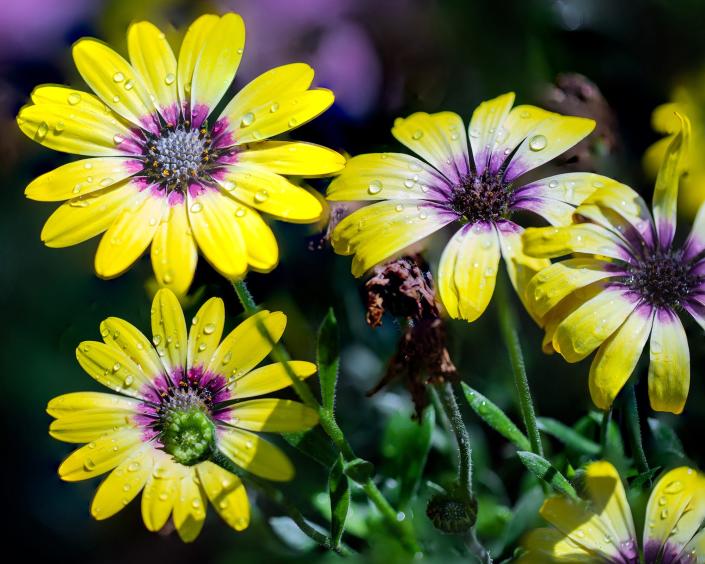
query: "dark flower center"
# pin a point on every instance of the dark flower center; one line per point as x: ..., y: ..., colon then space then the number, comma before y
x: 178, y: 155
x: 483, y: 197
x: 663, y: 279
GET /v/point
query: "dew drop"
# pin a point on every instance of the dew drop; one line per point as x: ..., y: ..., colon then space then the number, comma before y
x: 196, y: 207
x: 240, y: 212
x: 273, y: 108
x: 375, y: 187
x: 261, y: 196
x: 42, y: 130
x: 209, y: 328
x: 73, y: 98
x: 416, y: 135
x: 169, y: 78
x: 117, y: 139
x: 247, y: 119
x: 293, y: 122
x: 116, y: 98
x: 133, y: 466
x: 129, y: 85
x: 538, y: 143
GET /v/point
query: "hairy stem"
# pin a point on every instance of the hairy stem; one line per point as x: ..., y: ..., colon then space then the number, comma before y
x: 605, y: 429
x: 634, y: 429
x: 278, y: 497
x: 508, y: 326
x: 329, y: 425
x: 457, y: 425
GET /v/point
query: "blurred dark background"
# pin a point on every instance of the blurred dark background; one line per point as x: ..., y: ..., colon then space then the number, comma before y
x: 383, y: 59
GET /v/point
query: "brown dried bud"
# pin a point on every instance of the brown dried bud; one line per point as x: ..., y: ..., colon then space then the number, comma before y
x: 576, y: 95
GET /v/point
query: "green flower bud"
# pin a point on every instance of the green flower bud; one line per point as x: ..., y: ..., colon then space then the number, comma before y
x: 450, y: 514
x: 188, y: 435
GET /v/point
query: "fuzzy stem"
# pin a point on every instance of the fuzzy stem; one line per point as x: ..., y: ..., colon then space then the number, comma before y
x: 329, y: 425
x: 634, y: 429
x: 508, y: 326
x: 278, y: 497
x: 450, y: 406
x: 605, y: 429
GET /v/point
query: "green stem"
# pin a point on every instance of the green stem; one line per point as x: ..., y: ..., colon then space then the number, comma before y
x: 450, y: 406
x: 278, y: 497
x: 634, y: 429
x: 508, y: 325
x: 328, y: 424
x: 605, y: 430
x: 480, y: 552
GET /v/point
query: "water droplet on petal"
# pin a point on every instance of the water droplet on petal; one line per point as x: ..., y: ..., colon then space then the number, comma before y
x: 538, y: 143
x: 416, y: 135
x: 129, y: 85
x: 196, y: 207
x: 118, y: 77
x: 247, y: 119
x: 169, y: 78
x: 42, y: 130
x: 274, y: 107
x: 73, y: 98
x: 261, y: 196
x: 375, y: 187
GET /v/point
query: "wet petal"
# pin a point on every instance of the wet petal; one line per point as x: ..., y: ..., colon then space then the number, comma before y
x: 125, y: 337
x: 587, y: 238
x: 174, y: 254
x: 295, y: 158
x: 160, y: 491
x: 205, y: 332
x: 169, y: 331
x: 260, y: 242
x: 270, y: 378
x: 77, y: 402
x: 101, y: 455
x: 486, y: 129
x: 669, y: 367
x: 191, y: 48
x: 189, y: 507
x: 273, y: 415
x: 227, y: 494
x: 122, y: 485
x: 571, y: 188
x: 256, y: 455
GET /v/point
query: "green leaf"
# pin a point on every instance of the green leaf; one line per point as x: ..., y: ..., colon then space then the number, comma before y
x: 569, y: 437
x: 288, y: 531
x: 666, y: 441
x: 315, y: 444
x: 644, y: 479
x: 405, y: 446
x: 339, y: 492
x: 544, y: 470
x: 359, y: 470
x: 495, y: 418
x: 328, y: 358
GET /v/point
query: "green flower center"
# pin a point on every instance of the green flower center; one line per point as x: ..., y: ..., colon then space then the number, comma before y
x: 481, y: 198
x: 188, y: 435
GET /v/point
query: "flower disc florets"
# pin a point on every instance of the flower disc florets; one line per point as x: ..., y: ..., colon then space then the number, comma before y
x: 483, y: 197
x: 663, y: 279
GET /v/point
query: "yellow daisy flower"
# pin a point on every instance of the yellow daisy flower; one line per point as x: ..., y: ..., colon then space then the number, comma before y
x: 688, y: 99
x: 627, y: 281
x: 476, y: 185
x: 164, y: 169
x: 601, y: 529
x: 179, y: 401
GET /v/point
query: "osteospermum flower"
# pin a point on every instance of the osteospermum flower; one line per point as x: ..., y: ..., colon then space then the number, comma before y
x: 628, y: 282
x: 166, y: 169
x: 687, y: 99
x: 477, y: 187
x: 178, y: 401
x: 601, y: 529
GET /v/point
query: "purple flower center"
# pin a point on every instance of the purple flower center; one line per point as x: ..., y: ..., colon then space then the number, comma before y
x: 663, y: 279
x: 484, y: 197
x: 179, y: 155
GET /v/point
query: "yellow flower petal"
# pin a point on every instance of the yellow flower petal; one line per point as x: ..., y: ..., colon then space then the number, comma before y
x: 587, y: 238
x: 270, y: 378
x: 273, y: 415
x: 226, y: 493
x: 588, y: 326
x: 558, y: 280
x: 609, y: 501
x: 160, y: 491
x: 152, y: 57
x: 259, y: 188
x: 653, y: 156
x: 520, y: 266
x: 468, y: 271
x: 70, y: 97
x: 247, y: 345
x: 548, y: 545
x: 571, y: 187
x: 273, y: 103
x: 77, y: 402
x: 87, y: 216
x: 617, y: 357
x: 219, y: 57
x: 627, y: 203
x: 486, y: 128
x: 388, y: 176
x: 125, y: 337
x: 112, y: 368
x: 520, y: 121
x: 296, y: 158
x: 669, y: 367
x: 101, y: 455
x: 582, y: 526
x: 189, y: 507
x: 76, y: 130
x: 122, y: 485
x: 439, y: 139
x: 665, y: 203
x: 81, y: 177
x: 256, y: 455
x: 191, y: 47
x: 676, y: 509
x: 260, y: 242
x: 695, y: 549
x: 174, y: 253
x: 91, y: 424
x: 169, y: 331
x: 115, y: 82
x: 205, y: 332
x: 548, y: 139
x: 383, y: 229
x: 213, y: 219
x: 553, y: 211
x: 129, y: 236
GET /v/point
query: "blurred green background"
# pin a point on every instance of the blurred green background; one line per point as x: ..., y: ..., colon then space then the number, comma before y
x: 383, y: 59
